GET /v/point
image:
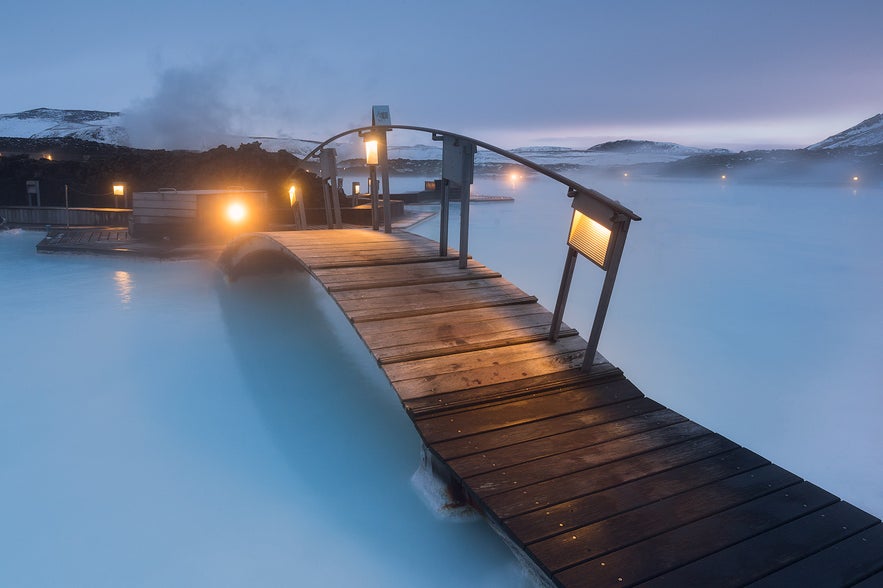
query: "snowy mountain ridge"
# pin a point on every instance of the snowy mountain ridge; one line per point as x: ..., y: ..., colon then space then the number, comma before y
x: 868, y: 133
x: 109, y: 128
x: 48, y: 123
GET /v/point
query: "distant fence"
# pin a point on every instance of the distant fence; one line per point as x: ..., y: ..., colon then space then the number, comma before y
x: 56, y: 215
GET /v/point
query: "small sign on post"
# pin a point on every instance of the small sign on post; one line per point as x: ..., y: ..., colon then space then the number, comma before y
x: 458, y: 163
x: 380, y: 116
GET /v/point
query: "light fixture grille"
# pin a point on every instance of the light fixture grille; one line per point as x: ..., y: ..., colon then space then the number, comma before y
x: 589, y: 238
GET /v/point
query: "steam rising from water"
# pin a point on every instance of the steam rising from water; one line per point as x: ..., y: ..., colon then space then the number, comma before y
x: 190, y: 110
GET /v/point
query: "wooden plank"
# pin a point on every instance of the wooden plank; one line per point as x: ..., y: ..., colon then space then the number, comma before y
x: 597, y: 539
x: 543, y: 470
x: 581, y: 483
x: 423, y: 291
x: 478, y: 343
x: 379, y: 309
x: 561, y: 442
x: 842, y: 564
x: 465, y: 362
x: 441, y: 270
x: 458, y: 446
x: 442, y: 325
x: 585, y: 510
x: 771, y: 551
x: 471, y: 422
x: 481, y: 368
x: 438, y: 404
x: 655, y: 556
x: 421, y: 337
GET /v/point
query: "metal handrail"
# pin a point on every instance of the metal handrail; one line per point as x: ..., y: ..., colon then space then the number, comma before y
x: 613, y: 204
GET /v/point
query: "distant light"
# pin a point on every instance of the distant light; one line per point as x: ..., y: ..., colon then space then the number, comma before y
x: 371, y: 157
x: 357, y: 188
x: 119, y: 189
x: 292, y: 195
x: 514, y: 177
x: 48, y: 156
x: 625, y: 175
x: 724, y: 177
x: 854, y: 178
x: 236, y: 212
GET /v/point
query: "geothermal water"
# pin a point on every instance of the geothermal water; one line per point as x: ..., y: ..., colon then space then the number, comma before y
x: 160, y: 426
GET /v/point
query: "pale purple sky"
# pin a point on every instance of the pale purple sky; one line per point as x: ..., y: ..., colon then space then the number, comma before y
x: 514, y: 72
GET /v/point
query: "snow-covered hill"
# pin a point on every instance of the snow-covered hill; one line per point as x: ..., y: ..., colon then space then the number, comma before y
x: 868, y: 133
x: 46, y: 123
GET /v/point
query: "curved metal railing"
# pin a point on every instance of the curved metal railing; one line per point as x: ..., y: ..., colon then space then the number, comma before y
x: 438, y: 133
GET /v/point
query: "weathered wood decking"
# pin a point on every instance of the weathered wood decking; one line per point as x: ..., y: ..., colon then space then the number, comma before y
x: 596, y: 483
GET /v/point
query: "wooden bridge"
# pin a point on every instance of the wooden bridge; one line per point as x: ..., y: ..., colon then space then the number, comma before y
x: 596, y: 483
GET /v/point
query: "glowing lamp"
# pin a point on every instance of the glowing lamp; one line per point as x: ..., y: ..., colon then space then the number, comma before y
x: 591, y: 229
x: 292, y: 195
x: 236, y: 212
x: 724, y: 177
x: 854, y: 178
x: 371, y: 157
x: 119, y: 189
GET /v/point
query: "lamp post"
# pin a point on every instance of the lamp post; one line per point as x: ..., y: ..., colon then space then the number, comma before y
x: 119, y: 189
x: 597, y: 232
x: 297, y: 208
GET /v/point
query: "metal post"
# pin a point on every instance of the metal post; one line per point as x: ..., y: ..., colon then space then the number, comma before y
x: 372, y: 180
x: 464, y: 224
x: 383, y: 160
x: 467, y: 163
x: 328, y: 164
x: 326, y: 195
x: 443, y: 219
x: 67, y: 210
x: 606, y: 292
x: 563, y: 291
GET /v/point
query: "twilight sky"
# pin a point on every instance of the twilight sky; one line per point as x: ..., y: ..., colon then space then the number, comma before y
x: 512, y: 72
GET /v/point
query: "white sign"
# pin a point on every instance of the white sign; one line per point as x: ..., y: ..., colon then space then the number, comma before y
x: 380, y: 116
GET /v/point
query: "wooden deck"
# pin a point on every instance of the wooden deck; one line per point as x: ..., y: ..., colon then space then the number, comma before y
x: 597, y: 484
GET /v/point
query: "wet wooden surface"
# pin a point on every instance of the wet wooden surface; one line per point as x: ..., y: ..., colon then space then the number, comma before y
x: 596, y: 483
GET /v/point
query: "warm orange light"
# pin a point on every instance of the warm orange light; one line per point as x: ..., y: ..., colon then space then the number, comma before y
x: 589, y: 237
x: 236, y: 212
x: 119, y: 190
x: 371, y: 157
x: 48, y: 156
x: 292, y: 195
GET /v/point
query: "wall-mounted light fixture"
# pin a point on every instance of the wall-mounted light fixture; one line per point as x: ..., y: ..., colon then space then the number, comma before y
x: 598, y: 230
x: 119, y: 189
x: 371, y: 157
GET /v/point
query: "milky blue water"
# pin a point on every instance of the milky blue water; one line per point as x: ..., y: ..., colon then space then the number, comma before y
x: 160, y: 426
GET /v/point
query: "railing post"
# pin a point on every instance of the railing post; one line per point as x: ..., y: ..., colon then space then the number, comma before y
x: 444, y: 218
x: 383, y: 157
x: 563, y: 291
x: 606, y: 292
